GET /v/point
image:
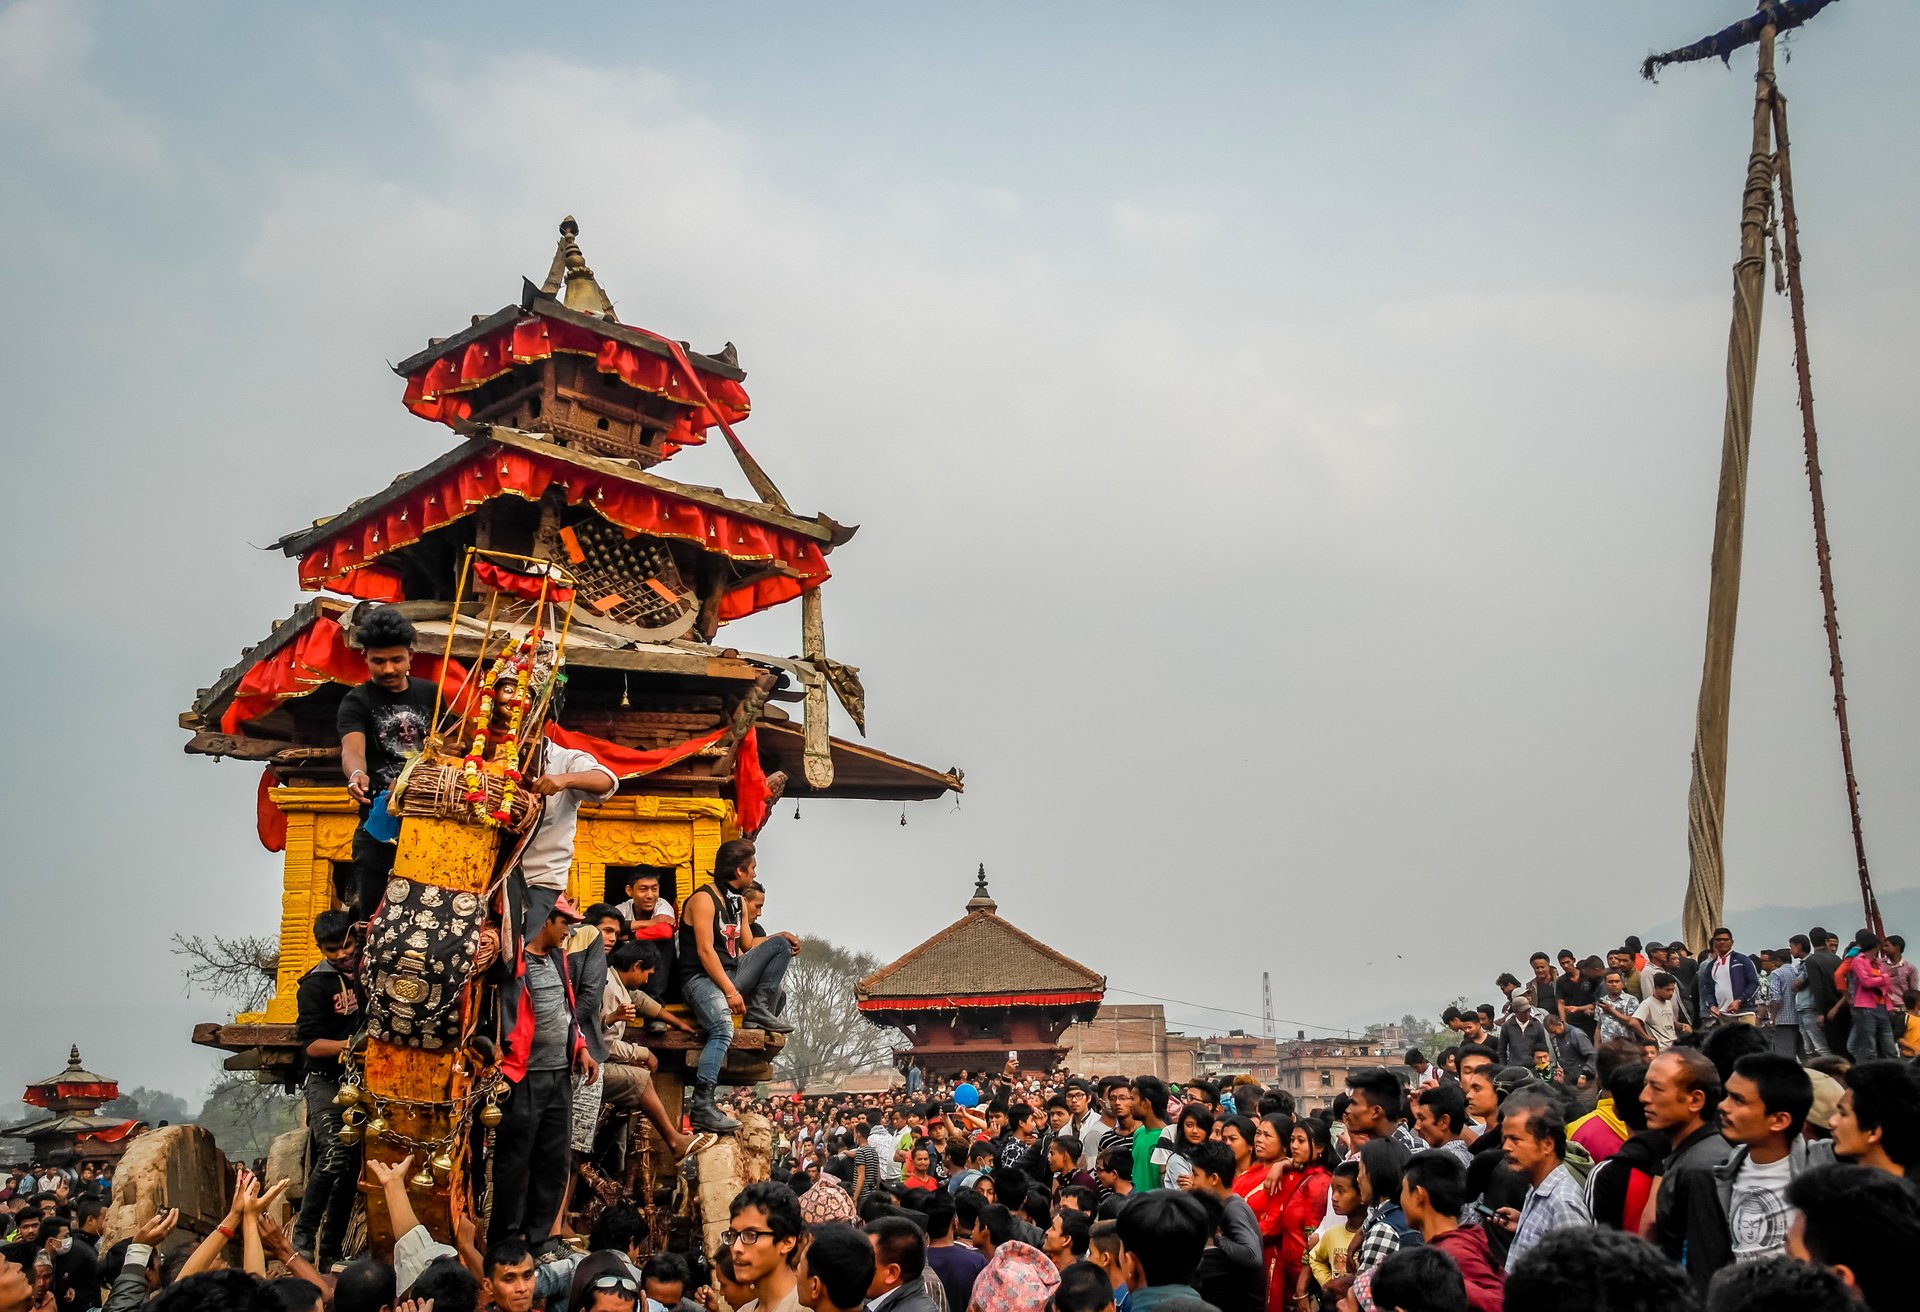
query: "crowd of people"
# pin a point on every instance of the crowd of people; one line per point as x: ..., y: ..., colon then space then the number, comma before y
x: 1651, y: 1131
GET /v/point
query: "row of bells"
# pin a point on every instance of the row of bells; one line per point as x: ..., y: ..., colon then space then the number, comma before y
x: 355, y: 1125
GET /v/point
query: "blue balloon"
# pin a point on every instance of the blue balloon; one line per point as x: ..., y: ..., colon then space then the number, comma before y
x: 965, y: 1095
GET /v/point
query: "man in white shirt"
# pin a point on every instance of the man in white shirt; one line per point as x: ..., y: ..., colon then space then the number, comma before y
x: 566, y: 778
x: 1767, y: 1100
x: 885, y: 1140
x: 1084, y: 1122
x: 1659, y: 1017
x: 644, y: 905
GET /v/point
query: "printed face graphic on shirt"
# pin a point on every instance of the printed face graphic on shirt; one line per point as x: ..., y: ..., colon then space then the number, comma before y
x: 402, y: 733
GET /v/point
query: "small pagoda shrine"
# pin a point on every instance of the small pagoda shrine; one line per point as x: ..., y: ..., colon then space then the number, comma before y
x: 71, y: 1133
x: 562, y: 413
x: 981, y: 989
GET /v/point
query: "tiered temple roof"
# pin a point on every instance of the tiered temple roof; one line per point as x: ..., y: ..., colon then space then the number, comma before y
x: 980, y: 961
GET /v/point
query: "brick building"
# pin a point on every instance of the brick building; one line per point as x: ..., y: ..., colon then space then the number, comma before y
x: 1315, y: 1070
x: 1130, y: 1040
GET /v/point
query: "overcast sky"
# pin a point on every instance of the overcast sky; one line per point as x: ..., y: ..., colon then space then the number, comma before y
x: 1284, y: 441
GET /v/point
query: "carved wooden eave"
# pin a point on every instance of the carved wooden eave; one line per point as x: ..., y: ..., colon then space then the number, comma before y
x: 543, y: 305
x: 821, y: 529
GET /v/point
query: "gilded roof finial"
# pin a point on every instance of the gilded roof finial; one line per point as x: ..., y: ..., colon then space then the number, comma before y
x: 570, y: 272
x: 981, y: 899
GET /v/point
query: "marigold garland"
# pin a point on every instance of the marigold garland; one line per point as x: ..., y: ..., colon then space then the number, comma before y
x: 516, y: 663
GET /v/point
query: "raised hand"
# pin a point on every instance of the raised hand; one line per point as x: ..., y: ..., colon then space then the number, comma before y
x: 384, y: 1173
x: 156, y: 1227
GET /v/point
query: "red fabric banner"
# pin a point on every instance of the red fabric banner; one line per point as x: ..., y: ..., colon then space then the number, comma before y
x: 335, y: 564
x: 630, y: 762
x: 531, y: 587
x: 749, y: 785
x: 980, y: 1000
x: 436, y: 392
x: 749, y: 779
x: 320, y: 655
x: 114, y: 1135
x: 269, y: 821
x: 40, y: 1096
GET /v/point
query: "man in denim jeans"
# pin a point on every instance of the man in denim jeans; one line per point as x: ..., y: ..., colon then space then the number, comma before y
x: 727, y: 969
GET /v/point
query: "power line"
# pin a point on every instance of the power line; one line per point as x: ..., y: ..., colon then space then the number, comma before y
x: 1229, y: 1011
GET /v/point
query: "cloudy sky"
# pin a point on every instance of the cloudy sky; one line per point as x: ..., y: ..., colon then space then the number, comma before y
x: 1284, y: 441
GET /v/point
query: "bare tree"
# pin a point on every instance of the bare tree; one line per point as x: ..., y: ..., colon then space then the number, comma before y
x: 242, y: 969
x: 830, y: 1036
x: 245, y: 1116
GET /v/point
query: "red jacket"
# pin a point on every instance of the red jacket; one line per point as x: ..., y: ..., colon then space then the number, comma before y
x: 1467, y: 1246
x: 516, y: 1015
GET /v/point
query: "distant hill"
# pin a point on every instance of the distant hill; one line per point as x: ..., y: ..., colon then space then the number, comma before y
x: 1762, y: 927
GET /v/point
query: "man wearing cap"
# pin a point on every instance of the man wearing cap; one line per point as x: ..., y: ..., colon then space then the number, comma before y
x: 1522, y: 1034
x: 543, y: 1047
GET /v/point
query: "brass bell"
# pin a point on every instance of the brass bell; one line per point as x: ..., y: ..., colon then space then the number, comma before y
x: 354, y: 1116
x: 350, y: 1134
x: 377, y: 1126
x: 348, y: 1096
x: 424, y: 1180
x: 491, y: 1115
x: 442, y: 1162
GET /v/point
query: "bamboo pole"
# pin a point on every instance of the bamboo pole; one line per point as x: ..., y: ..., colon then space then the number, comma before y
x: 1822, y: 547
x: 1707, y: 790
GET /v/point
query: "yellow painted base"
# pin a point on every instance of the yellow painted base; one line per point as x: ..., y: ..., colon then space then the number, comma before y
x: 684, y: 833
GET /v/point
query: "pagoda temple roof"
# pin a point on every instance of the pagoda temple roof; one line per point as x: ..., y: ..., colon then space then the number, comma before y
x: 74, y: 1074
x: 72, y: 1123
x: 543, y: 305
x: 775, y: 555
x: 821, y: 528
x: 860, y: 771
x: 980, y: 960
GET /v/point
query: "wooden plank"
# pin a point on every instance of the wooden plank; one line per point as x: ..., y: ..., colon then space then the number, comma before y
x: 234, y: 1037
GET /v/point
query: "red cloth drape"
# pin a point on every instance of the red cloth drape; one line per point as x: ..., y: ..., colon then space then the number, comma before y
x: 436, y: 391
x: 749, y: 785
x: 630, y: 762
x: 503, y: 471
x: 749, y: 779
x: 113, y: 1135
x: 320, y: 655
x: 40, y: 1096
x: 528, y: 586
x: 269, y: 821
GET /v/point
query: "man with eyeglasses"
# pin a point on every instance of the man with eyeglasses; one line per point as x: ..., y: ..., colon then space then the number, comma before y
x: 763, y: 1238
x: 1085, y: 1124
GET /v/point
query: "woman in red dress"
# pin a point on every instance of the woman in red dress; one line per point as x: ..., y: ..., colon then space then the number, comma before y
x: 1268, y: 1178
x: 1237, y: 1133
x: 1302, y: 1203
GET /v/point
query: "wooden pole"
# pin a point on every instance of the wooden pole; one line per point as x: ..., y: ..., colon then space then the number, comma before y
x: 1707, y: 791
x: 1822, y: 548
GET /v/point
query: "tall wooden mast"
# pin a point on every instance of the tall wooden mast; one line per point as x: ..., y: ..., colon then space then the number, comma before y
x: 1707, y: 788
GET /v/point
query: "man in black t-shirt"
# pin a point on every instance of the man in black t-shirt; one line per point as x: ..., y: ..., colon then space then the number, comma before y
x: 383, y: 723
x: 1821, y: 999
x: 329, y: 1007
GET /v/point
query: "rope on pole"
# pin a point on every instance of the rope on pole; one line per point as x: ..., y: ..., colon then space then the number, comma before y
x: 1707, y: 789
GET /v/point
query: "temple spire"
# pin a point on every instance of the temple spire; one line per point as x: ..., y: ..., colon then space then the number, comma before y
x: 981, y: 899
x: 570, y: 271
